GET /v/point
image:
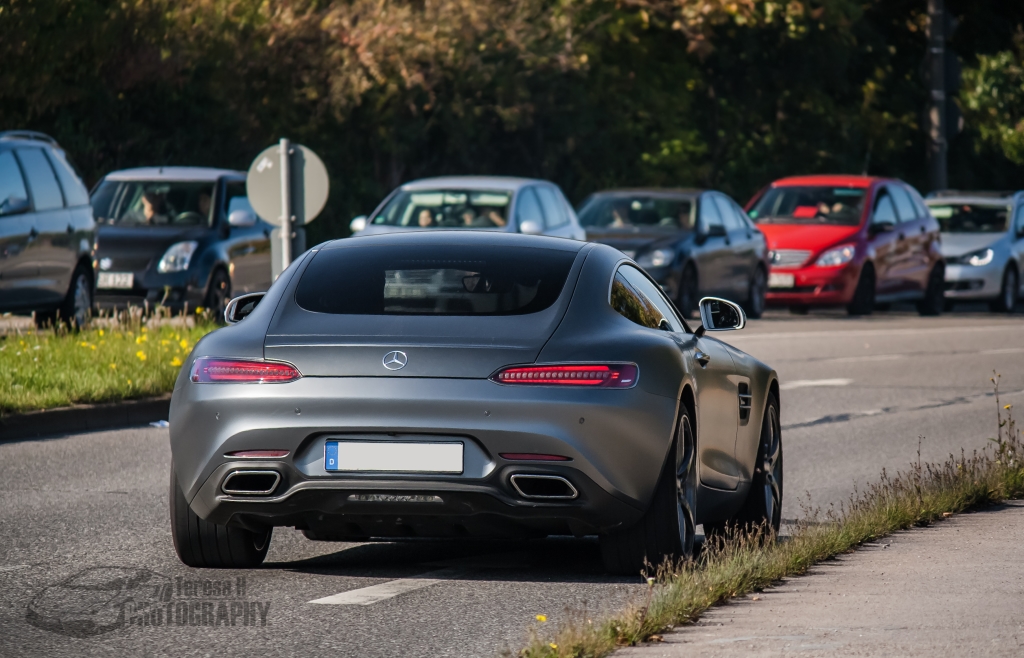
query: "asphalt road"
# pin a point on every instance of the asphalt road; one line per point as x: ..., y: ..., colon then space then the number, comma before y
x: 83, y: 518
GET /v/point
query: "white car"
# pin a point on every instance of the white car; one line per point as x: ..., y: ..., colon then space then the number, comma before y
x: 496, y: 203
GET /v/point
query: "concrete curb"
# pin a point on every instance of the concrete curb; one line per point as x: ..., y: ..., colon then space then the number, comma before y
x: 83, y: 418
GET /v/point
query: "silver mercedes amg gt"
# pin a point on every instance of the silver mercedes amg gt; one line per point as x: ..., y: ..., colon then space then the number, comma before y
x: 469, y: 385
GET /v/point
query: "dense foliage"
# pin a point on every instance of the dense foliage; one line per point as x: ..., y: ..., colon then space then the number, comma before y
x: 589, y: 93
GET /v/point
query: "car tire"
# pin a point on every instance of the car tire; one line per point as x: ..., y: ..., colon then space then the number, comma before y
x: 756, y: 291
x: 219, y: 292
x: 863, y: 302
x: 763, y: 506
x: 935, y: 293
x: 204, y: 545
x: 76, y: 308
x: 667, y: 528
x: 1007, y: 293
x: 686, y: 299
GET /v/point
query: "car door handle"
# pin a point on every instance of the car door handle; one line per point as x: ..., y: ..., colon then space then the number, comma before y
x: 702, y: 358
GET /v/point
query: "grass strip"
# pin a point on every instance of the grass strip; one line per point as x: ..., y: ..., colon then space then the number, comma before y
x: 679, y: 593
x: 115, y: 359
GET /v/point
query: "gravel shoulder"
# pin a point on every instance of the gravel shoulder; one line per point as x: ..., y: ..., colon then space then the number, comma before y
x: 950, y: 589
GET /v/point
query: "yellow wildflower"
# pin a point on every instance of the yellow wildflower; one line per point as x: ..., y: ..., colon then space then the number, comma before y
x: 175, y: 362
x: 1007, y: 406
x: 141, y: 339
x: 141, y: 355
x: 552, y: 645
x: 113, y: 366
x: 101, y: 332
x: 184, y: 344
x: 199, y: 310
x: 542, y: 618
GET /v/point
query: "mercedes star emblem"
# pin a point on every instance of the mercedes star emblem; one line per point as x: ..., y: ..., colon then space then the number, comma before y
x: 395, y: 360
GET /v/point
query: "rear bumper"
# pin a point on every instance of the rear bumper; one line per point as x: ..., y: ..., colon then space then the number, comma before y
x: 616, y: 454
x: 816, y: 286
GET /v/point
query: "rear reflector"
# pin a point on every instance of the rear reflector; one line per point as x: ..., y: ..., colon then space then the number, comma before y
x: 258, y: 454
x: 613, y: 375
x: 209, y: 370
x: 532, y: 457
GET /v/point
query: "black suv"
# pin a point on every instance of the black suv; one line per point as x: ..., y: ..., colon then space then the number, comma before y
x: 47, y: 231
x: 180, y: 237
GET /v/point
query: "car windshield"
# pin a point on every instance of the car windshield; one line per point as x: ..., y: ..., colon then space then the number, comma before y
x: 971, y: 217
x: 433, y: 280
x: 839, y: 206
x: 153, y: 203
x: 446, y: 209
x: 615, y: 211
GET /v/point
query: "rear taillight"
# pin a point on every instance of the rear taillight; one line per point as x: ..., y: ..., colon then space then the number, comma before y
x: 208, y: 370
x: 612, y: 375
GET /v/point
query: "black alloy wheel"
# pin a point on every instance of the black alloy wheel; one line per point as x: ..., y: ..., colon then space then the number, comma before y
x: 667, y: 529
x: 1007, y: 293
x: 934, y: 300
x: 688, y: 291
x: 863, y: 302
x: 76, y: 308
x: 204, y: 545
x: 764, y: 501
x: 219, y: 293
x: 754, y: 307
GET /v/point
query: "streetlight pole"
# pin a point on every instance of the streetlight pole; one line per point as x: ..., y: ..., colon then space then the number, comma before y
x: 938, y: 147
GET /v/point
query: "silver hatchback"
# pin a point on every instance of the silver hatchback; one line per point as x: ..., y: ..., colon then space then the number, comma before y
x: 983, y: 244
x: 495, y: 203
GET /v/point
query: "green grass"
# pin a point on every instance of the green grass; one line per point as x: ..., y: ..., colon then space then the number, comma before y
x: 679, y: 593
x: 113, y: 360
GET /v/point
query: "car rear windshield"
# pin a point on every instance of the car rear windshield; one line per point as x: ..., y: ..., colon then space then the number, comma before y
x: 629, y: 211
x: 971, y: 218
x: 433, y: 280
x: 446, y: 209
x: 153, y: 203
x: 839, y: 206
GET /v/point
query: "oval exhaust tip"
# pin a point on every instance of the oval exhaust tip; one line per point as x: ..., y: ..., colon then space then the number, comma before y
x: 251, y: 483
x: 543, y: 487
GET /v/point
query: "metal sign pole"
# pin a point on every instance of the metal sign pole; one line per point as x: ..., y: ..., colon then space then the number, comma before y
x: 286, y: 206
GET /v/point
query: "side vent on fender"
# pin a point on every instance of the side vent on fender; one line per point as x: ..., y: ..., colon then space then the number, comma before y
x: 745, y: 401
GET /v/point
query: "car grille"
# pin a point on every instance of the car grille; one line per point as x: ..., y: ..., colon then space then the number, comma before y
x: 788, y: 257
x: 127, y: 264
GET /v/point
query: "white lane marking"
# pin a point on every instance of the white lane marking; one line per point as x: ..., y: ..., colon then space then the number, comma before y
x: 392, y: 588
x: 867, y: 357
x: 813, y: 383
x: 1005, y: 350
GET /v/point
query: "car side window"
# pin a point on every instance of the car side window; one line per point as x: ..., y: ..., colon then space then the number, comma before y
x: 885, y: 212
x: 653, y: 294
x: 904, y: 206
x: 528, y: 208
x: 632, y: 305
x: 554, y: 210
x: 709, y: 215
x: 42, y: 182
x: 13, y: 195
x: 729, y: 218
x: 74, y: 190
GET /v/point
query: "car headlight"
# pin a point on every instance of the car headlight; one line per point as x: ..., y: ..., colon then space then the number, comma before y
x: 978, y: 258
x: 177, y: 257
x: 656, y: 258
x: 836, y: 257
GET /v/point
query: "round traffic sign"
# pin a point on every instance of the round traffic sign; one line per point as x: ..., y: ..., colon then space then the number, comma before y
x: 309, y: 184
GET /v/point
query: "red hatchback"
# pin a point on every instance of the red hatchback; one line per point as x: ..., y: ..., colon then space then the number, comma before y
x: 853, y: 241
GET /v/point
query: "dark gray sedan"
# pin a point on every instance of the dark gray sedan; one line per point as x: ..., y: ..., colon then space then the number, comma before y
x: 450, y: 384
x: 692, y: 242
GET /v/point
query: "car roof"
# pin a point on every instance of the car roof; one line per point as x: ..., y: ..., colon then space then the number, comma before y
x: 651, y: 191
x: 435, y: 237
x: 505, y: 183
x: 27, y: 138
x: 839, y: 180
x: 187, y: 174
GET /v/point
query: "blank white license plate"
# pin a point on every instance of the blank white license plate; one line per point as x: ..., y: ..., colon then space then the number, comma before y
x: 781, y: 280
x: 393, y: 457
x: 115, y: 280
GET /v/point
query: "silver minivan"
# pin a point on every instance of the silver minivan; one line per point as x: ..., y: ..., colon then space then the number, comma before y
x: 495, y: 203
x: 983, y: 244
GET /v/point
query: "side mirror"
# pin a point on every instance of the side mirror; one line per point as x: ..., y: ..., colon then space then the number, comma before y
x: 240, y: 307
x: 14, y: 206
x: 881, y: 227
x: 357, y: 224
x: 242, y: 218
x: 715, y: 231
x: 721, y: 315
x: 531, y: 227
